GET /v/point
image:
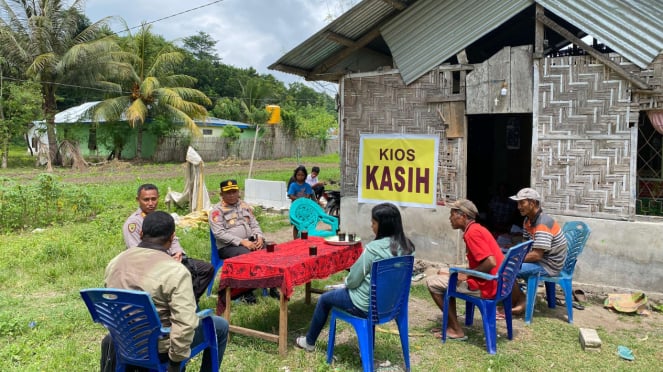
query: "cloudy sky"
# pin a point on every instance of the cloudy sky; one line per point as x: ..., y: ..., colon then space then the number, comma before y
x: 250, y: 33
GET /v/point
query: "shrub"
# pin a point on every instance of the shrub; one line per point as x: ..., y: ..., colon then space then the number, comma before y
x: 41, y: 203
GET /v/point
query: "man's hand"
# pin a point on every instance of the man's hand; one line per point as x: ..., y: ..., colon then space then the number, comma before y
x: 462, y: 277
x: 177, y: 256
x: 260, y: 242
x: 248, y: 244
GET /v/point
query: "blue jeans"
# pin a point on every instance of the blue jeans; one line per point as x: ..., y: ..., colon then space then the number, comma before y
x: 531, y: 269
x: 221, y: 326
x: 339, y: 298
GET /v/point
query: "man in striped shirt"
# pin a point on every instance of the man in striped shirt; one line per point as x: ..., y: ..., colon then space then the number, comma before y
x: 549, y: 248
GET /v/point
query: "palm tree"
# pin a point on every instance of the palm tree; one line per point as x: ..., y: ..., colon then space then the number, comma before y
x: 153, y: 89
x: 54, y: 46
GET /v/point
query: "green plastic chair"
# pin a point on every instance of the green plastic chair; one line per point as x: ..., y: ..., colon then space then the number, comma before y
x: 305, y: 214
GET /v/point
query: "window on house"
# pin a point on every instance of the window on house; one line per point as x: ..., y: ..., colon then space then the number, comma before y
x: 207, y: 132
x: 649, y: 201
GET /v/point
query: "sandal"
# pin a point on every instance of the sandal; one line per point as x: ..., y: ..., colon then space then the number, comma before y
x: 579, y: 295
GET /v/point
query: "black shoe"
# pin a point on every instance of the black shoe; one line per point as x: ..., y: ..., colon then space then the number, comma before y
x: 274, y: 293
x: 248, y: 298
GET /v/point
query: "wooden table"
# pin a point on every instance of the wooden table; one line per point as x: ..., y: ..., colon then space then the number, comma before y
x: 290, y: 265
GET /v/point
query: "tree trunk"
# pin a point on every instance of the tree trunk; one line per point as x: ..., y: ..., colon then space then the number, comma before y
x: 139, y: 141
x: 49, y: 106
x: 5, y: 152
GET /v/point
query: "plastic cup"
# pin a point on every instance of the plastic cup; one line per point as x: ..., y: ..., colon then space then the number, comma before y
x: 341, y: 236
x: 351, y: 237
x: 304, y: 234
x: 270, y: 247
x: 313, y: 250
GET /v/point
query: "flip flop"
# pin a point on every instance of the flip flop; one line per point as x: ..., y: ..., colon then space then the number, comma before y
x: 464, y: 338
x: 577, y: 306
x: 625, y: 353
x: 500, y: 316
x: 579, y: 295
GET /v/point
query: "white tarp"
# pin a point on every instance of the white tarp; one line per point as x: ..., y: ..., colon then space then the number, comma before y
x: 195, y: 192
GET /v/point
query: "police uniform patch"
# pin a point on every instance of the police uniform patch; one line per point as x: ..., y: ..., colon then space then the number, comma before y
x: 215, y: 216
x: 131, y: 227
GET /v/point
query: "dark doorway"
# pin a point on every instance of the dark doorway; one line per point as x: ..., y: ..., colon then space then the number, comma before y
x: 498, y: 156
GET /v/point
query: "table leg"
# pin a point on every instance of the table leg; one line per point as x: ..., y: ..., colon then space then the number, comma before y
x: 283, y: 325
x: 307, y: 295
x: 226, y: 312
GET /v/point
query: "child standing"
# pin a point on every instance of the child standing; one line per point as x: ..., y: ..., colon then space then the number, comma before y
x: 299, y: 189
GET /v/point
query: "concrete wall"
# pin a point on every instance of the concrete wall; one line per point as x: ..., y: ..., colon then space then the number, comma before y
x: 619, y: 255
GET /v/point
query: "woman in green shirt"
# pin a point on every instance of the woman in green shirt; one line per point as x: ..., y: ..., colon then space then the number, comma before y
x: 390, y: 241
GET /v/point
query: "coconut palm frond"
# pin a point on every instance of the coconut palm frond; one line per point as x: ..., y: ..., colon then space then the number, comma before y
x: 136, y: 113
x: 42, y: 63
x: 110, y: 109
x: 182, y: 117
x: 191, y: 94
x: 178, y: 81
x: 92, y: 32
x: 164, y: 63
x: 149, y: 86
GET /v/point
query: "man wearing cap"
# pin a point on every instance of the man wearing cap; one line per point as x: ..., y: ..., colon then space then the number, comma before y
x: 483, y: 254
x: 549, y: 248
x: 235, y: 227
x: 202, y: 273
x: 233, y: 224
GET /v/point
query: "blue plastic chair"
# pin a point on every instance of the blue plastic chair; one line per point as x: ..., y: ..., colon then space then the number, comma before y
x: 218, y: 264
x: 135, y: 327
x: 576, y: 234
x: 215, y: 260
x: 305, y: 214
x: 505, y: 278
x: 390, y: 290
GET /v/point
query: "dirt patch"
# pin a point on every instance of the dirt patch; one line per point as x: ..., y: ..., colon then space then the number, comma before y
x: 116, y: 170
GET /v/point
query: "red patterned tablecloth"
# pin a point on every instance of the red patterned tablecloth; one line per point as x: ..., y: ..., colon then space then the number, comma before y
x: 288, y: 266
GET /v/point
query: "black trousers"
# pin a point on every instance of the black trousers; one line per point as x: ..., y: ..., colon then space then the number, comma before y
x: 202, y: 273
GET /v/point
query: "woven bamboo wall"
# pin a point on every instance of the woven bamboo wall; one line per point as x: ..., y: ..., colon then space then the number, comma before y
x: 583, y: 156
x: 381, y: 103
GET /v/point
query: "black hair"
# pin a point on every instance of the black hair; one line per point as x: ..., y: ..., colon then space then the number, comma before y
x: 158, y: 226
x: 315, y: 169
x: 299, y: 168
x: 146, y: 186
x: 390, y: 225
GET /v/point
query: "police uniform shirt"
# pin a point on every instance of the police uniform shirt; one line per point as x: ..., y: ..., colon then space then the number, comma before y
x: 231, y: 224
x: 134, y: 225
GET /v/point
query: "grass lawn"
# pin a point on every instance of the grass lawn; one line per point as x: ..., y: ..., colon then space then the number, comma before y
x: 44, y: 325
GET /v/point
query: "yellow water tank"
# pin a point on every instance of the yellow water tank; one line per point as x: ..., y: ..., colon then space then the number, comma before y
x: 274, y: 114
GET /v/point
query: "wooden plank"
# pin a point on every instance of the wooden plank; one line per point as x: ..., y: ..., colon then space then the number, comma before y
x: 442, y: 98
x: 519, y: 88
x: 539, y: 34
x: 499, y: 72
x: 596, y: 54
x: 454, y: 113
x: 477, y: 101
x: 283, y: 325
x: 253, y: 333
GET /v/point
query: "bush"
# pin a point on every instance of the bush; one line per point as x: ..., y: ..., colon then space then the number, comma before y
x: 41, y: 204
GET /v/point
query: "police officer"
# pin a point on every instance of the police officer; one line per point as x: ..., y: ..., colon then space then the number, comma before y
x: 233, y: 224
x: 148, y: 200
x: 235, y: 227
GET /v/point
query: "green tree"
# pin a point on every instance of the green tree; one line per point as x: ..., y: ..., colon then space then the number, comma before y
x: 18, y: 108
x: 154, y: 88
x: 43, y: 39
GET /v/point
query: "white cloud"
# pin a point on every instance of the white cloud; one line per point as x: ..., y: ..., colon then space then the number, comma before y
x: 250, y: 33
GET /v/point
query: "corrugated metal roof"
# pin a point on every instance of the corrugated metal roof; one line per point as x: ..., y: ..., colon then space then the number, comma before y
x: 352, y: 24
x: 430, y: 32
x: 632, y: 28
